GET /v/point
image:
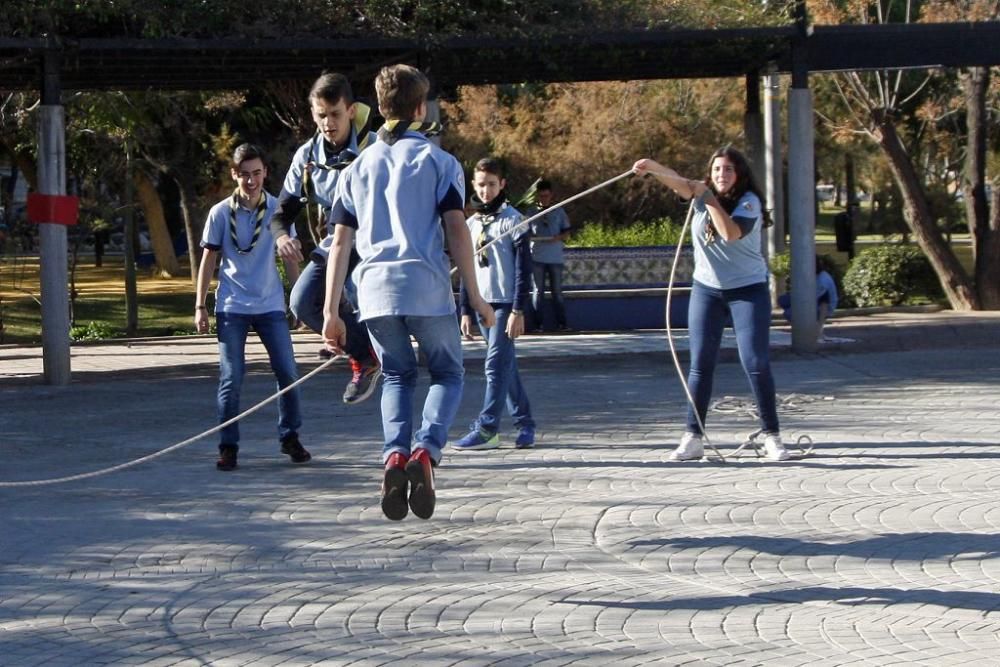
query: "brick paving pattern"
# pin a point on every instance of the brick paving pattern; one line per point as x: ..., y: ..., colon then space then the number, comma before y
x: 881, y: 548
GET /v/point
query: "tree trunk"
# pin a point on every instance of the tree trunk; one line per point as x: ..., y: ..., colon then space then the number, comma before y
x: 956, y: 284
x: 24, y: 161
x: 163, y: 248
x: 192, y: 227
x: 985, y: 241
x: 850, y: 184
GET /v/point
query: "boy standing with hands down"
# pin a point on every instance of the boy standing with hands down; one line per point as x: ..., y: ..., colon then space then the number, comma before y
x: 393, y: 197
x: 503, y: 269
x: 250, y: 296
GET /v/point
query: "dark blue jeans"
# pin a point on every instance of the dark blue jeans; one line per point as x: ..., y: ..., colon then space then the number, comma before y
x: 272, y: 328
x: 306, y: 302
x: 554, y: 272
x: 750, y: 308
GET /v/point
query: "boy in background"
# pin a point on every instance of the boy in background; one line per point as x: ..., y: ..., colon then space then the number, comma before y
x: 249, y: 296
x: 393, y: 199
x: 503, y: 272
x: 547, y: 236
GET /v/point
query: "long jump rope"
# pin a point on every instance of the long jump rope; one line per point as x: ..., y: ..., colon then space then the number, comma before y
x: 717, y: 457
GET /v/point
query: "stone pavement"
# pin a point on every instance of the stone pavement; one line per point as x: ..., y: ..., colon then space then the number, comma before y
x: 880, y: 548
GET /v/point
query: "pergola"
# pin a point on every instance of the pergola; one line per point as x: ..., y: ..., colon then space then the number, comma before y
x: 52, y: 65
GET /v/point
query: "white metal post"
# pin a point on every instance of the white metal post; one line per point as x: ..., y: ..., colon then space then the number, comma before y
x: 52, y: 237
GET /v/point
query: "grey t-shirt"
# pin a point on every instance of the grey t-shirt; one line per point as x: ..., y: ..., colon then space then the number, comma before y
x: 497, y: 279
x: 729, y: 264
x: 551, y: 224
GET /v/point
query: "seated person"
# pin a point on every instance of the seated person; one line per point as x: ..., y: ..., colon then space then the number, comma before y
x: 826, y: 298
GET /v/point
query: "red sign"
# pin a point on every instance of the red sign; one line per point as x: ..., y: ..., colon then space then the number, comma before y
x: 53, y: 209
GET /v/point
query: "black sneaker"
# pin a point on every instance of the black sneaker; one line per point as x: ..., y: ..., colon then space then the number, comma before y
x: 294, y: 449
x: 364, y: 379
x: 227, y: 457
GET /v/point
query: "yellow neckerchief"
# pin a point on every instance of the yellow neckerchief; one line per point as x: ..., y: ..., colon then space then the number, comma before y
x: 361, y: 126
x: 259, y: 215
x: 392, y: 130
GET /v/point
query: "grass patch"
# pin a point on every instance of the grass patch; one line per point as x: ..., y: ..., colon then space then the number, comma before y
x: 166, y: 305
x: 101, y: 316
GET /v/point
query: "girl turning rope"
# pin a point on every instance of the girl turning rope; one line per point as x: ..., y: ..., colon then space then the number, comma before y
x: 730, y: 276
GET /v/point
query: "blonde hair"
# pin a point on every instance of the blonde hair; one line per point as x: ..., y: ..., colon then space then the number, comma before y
x: 401, y: 89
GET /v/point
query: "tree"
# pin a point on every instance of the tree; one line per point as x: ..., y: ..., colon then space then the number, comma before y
x: 580, y: 134
x: 895, y: 111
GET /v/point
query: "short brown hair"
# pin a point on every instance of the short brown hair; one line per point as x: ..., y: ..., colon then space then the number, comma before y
x: 332, y: 87
x: 400, y: 89
x: 246, y: 152
x: 491, y: 165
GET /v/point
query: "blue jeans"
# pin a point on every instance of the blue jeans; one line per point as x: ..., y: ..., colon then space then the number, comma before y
x: 440, y: 343
x: 272, y: 328
x: 554, y: 272
x: 750, y: 308
x: 306, y: 301
x: 503, y: 382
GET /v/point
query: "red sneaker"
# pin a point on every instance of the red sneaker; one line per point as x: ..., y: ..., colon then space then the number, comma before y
x: 420, y: 471
x: 394, y: 487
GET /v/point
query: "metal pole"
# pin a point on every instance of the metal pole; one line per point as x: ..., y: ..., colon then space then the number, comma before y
x: 774, y: 164
x: 131, y: 295
x: 52, y: 237
x: 753, y: 127
x: 802, y: 199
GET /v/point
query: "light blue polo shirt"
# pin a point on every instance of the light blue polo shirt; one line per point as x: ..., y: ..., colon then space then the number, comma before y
x: 496, y: 280
x: 248, y: 284
x: 729, y: 264
x: 552, y: 223
x: 394, y: 195
x: 324, y: 180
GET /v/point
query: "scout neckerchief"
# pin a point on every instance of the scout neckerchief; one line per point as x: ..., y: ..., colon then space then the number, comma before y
x: 361, y: 126
x: 487, y: 215
x: 259, y: 215
x: 392, y: 130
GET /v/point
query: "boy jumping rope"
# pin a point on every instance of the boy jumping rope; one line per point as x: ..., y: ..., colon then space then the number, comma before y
x: 503, y: 270
x: 393, y: 197
x: 341, y: 134
x: 249, y: 296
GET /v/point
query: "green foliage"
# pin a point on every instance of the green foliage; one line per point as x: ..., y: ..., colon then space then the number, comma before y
x: 891, y: 275
x: 602, y: 235
x: 426, y: 19
x: 93, y: 331
x: 781, y: 265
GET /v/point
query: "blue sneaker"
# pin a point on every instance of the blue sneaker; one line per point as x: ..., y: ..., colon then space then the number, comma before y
x: 478, y: 438
x: 525, y: 438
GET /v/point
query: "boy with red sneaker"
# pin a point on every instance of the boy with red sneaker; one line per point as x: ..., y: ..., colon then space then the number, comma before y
x: 393, y: 198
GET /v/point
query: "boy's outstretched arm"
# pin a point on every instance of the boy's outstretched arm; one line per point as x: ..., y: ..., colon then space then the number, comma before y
x: 334, y: 331
x: 460, y: 248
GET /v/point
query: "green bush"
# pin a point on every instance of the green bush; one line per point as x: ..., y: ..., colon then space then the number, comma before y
x: 92, y: 331
x: 600, y: 235
x: 781, y: 265
x: 891, y: 275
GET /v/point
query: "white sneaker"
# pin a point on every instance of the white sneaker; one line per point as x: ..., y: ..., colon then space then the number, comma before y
x: 773, y: 449
x: 690, y: 448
